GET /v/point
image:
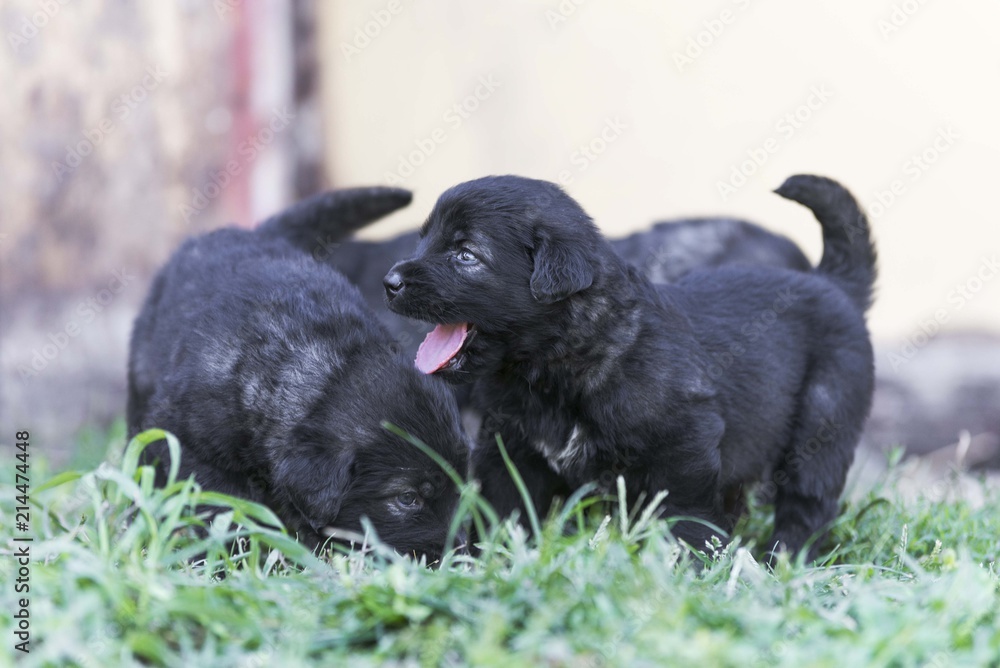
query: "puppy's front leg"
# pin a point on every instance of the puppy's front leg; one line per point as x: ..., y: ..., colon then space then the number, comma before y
x: 498, y: 486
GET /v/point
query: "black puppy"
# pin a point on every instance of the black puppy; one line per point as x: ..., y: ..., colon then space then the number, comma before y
x: 592, y: 371
x: 276, y: 377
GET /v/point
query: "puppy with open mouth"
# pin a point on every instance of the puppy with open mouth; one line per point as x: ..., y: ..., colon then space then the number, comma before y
x: 728, y: 377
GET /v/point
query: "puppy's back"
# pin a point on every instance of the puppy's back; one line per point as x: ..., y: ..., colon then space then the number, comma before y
x: 219, y: 294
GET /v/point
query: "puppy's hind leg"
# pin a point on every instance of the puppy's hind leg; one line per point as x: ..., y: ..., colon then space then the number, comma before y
x: 810, y: 478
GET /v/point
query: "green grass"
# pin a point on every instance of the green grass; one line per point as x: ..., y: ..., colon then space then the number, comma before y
x: 114, y: 583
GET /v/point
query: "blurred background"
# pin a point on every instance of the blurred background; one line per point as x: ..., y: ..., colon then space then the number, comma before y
x: 128, y: 126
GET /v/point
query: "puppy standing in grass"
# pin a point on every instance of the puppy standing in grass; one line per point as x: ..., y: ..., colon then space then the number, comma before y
x: 698, y: 388
x: 276, y: 377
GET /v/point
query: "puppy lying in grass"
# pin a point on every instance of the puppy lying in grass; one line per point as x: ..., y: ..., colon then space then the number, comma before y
x: 591, y: 371
x: 276, y: 377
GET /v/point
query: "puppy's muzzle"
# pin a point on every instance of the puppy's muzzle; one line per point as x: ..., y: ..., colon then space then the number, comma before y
x: 393, y: 283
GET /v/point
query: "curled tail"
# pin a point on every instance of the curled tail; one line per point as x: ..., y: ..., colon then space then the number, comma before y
x: 848, y: 252
x: 332, y: 216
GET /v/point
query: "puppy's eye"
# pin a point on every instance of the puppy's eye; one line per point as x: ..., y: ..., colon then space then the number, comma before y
x: 465, y: 256
x: 409, y: 500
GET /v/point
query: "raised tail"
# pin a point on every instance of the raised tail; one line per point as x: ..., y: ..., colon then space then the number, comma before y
x: 849, y: 258
x: 332, y: 216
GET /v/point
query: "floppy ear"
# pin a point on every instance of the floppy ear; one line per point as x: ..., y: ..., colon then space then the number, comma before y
x: 316, y: 484
x: 561, y: 269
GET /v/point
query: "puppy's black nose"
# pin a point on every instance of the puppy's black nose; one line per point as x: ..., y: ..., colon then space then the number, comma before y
x: 393, y: 283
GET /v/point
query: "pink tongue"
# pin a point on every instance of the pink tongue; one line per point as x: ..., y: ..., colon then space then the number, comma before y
x: 440, y: 346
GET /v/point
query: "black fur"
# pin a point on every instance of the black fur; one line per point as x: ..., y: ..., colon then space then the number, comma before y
x: 276, y: 378
x: 590, y: 371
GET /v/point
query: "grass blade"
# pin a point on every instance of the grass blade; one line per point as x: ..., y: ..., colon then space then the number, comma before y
x: 529, y: 506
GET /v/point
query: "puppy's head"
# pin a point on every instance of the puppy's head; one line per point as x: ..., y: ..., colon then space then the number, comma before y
x: 345, y: 466
x: 497, y: 260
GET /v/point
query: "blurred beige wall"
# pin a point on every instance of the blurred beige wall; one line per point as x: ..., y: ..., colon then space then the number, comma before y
x: 672, y: 97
